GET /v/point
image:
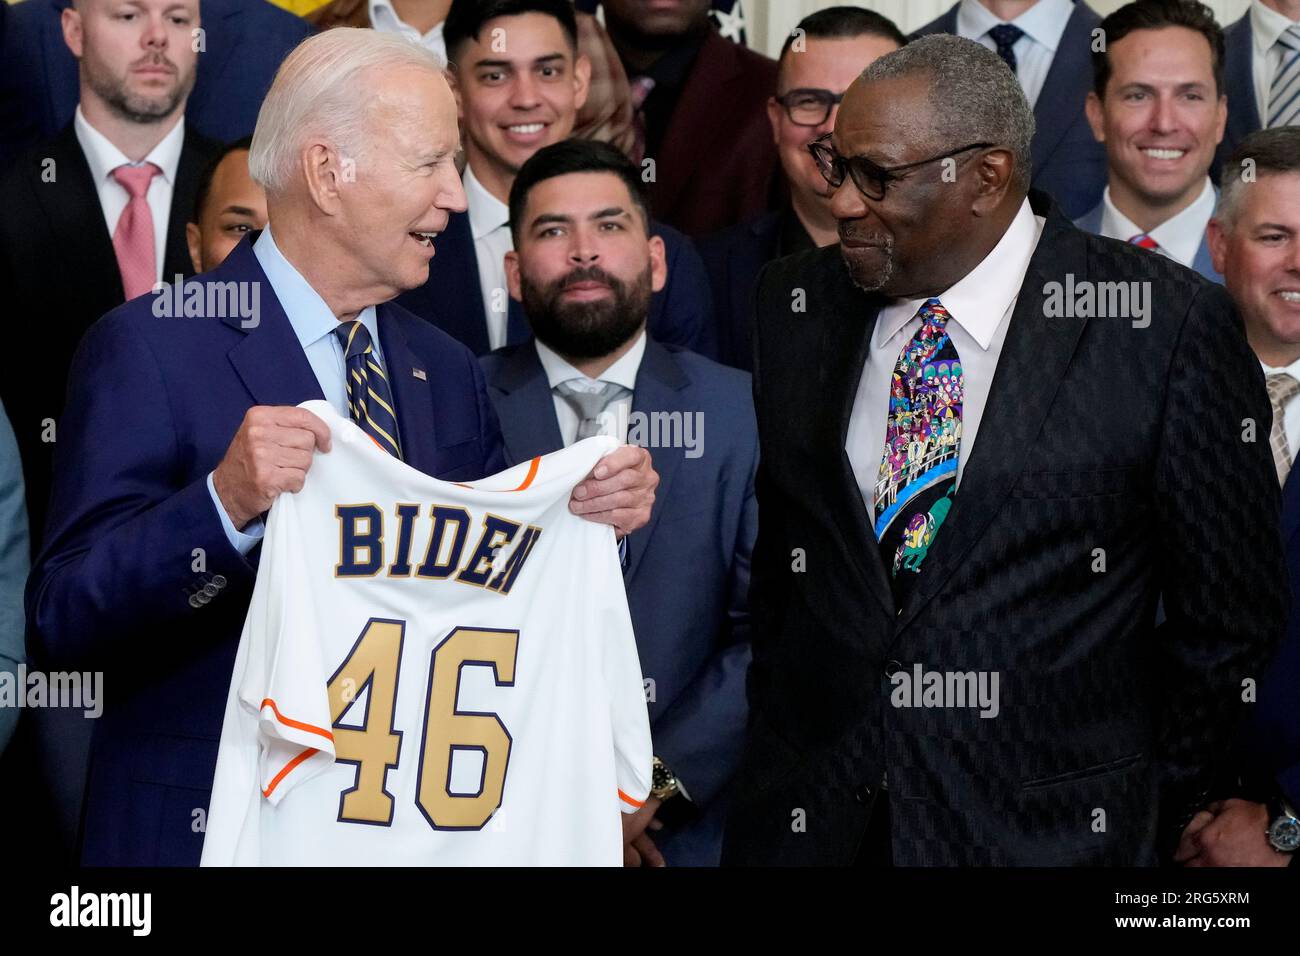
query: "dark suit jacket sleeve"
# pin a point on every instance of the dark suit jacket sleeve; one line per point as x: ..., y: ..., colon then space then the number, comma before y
x: 120, y: 550
x: 684, y: 313
x: 1223, y: 580
x: 493, y: 442
x: 701, y: 737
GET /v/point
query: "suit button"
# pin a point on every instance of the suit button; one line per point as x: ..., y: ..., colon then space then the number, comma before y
x: 892, y: 668
x: 202, y: 598
x: 864, y: 794
x: 194, y: 601
x: 211, y: 590
x: 219, y: 580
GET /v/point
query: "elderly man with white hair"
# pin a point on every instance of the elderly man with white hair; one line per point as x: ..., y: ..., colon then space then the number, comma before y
x: 181, y: 428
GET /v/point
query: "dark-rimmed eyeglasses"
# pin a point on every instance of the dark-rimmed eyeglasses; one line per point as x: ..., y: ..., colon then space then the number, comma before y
x: 809, y: 107
x: 871, y: 178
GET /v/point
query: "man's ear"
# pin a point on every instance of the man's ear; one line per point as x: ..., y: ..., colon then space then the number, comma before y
x: 323, y: 170
x: 581, y: 81
x: 1093, y: 109
x: 658, y: 264
x: 70, y: 21
x: 774, y: 118
x: 193, y: 240
x: 1216, y: 237
x: 512, y: 276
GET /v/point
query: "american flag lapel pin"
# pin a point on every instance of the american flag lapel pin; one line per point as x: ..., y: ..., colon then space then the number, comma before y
x: 419, y: 373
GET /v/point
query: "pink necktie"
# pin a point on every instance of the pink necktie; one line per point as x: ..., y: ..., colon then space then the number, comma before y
x: 133, y: 239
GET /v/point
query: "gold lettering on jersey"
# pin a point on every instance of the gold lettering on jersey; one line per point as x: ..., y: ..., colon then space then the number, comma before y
x: 442, y: 535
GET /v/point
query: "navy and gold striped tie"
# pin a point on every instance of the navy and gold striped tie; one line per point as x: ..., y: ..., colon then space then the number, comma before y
x: 369, y: 398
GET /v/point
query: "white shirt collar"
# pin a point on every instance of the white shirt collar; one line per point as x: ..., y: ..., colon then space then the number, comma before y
x: 486, y: 212
x: 103, y: 157
x: 1266, y: 25
x: 1180, y: 236
x: 980, y: 299
x: 1044, y: 22
x: 623, y: 372
x: 1293, y: 369
x: 310, y: 317
x: 384, y: 18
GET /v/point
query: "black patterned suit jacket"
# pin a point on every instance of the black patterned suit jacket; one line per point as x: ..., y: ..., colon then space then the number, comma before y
x: 1115, y: 465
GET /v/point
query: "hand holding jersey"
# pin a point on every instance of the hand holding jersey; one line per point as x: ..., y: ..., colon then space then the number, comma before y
x: 421, y: 661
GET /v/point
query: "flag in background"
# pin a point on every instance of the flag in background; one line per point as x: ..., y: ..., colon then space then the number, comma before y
x: 729, y: 15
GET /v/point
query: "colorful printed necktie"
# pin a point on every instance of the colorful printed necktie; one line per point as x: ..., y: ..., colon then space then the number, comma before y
x: 1143, y: 241
x: 369, y: 398
x: 918, y: 472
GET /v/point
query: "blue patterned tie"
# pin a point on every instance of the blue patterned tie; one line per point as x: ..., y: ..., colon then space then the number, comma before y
x: 369, y: 398
x: 1005, y: 35
x: 918, y: 471
x: 1284, y: 91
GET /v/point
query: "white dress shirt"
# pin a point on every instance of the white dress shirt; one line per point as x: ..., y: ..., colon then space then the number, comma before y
x: 1291, y: 413
x: 385, y: 19
x: 623, y: 372
x: 489, y: 224
x: 103, y: 157
x: 1266, y: 25
x: 1179, y: 238
x: 1043, y: 23
x: 313, y: 324
x: 980, y: 305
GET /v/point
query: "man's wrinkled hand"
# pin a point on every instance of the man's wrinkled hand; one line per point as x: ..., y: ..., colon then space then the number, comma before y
x: 1236, y: 835
x: 269, y: 454
x: 620, y: 490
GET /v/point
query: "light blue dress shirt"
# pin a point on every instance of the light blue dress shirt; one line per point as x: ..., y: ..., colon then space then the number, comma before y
x: 314, y: 324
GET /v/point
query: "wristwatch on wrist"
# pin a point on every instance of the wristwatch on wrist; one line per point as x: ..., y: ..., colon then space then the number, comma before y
x: 663, y: 784
x: 1284, y: 831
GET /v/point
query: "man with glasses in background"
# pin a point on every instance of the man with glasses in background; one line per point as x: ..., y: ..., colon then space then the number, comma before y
x: 971, y: 496
x: 820, y: 58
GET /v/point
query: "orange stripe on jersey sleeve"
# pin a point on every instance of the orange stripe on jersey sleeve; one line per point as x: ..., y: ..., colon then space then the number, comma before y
x: 288, y: 769
x: 628, y: 800
x: 528, y: 478
x: 296, y: 724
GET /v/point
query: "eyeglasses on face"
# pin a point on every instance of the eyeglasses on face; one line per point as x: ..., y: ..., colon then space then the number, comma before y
x: 871, y: 178
x: 809, y: 107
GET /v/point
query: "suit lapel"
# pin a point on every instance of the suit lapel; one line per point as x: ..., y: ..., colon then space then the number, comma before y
x: 415, y: 417
x: 1067, y: 83
x: 1291, y: 506
x: 74, y: 215
x: 1243, y: 110
x: 1035, y: 355
x: 846, y: 342
x: 269, y: 359
x: 525, y: 407
x: 660, y: 385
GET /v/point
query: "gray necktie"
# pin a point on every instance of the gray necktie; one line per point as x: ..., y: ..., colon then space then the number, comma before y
x: 589, y: 405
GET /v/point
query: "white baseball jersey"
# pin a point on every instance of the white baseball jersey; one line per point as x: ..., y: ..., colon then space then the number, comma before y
x: 432, y: 673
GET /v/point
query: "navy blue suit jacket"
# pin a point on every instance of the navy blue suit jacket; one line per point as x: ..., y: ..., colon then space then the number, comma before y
x: 733, y: 259
x: 133, y: 534
x: 1068, y: 162
x: 246, y: 40
x: 452, y: 298
x: 1273, y: 732
x: 1203, y: 263
x: 687, y: 570
x: 1239, y: 80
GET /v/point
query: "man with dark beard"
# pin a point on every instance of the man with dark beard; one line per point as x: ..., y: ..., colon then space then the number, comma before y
x: 973, y: 493
x: 97, y: 215
x: 584, y: 264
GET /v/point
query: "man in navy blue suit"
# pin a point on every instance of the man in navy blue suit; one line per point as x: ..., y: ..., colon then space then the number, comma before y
x: 1262, y: 63
x: 836, y: 45
x: 1255, y: 239
x: 243, y: 44
x: 513, y: 101
x: 1047, y: 44
x: 585, y: 265
x: 1159, y: 109
x: 181, y: 428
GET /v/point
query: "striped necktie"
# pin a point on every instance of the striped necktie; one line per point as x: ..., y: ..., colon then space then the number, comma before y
x: 918, y: 472
x: 1284, y: 93
x: 369, y: 398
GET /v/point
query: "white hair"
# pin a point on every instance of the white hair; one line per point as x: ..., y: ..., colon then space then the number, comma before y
x: 319, y: 91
